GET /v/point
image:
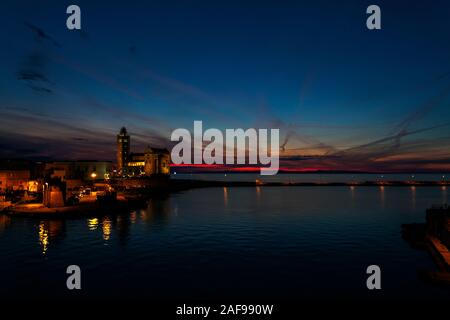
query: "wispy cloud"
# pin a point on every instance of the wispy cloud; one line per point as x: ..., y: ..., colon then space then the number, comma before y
x: 41, y: 35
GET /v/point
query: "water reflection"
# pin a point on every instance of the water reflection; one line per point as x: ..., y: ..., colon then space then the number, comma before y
x: 92, y: 224
x: 206, y: 240
x: 133, y: 217
x: 5, y: 221
x: 413, y: 196
x: 49, y: 231
x: 258, y: 194
x: 382, y: 196
x: 225, y: 196
x: 352, y: 193
x: 43, y: 238
x: 157, y: 211
x: 106, y: 228
x: 123, y: 224
x: 444, y: 194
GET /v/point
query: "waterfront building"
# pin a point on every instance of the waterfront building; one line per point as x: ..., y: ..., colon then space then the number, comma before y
x: 123, y: 150
x: 85, y: 170
x: 14, y: 180
x: 19, y: 175
x: 153, y: 161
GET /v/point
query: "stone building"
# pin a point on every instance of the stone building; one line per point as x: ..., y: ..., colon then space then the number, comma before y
x: 156, y: 161
x: 85, y: 170
x: 153, y: 161
x: 123, y: 150
x: 18, y: 175
x: 14, y: 180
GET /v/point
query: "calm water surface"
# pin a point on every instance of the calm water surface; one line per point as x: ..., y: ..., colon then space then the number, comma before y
x: 244, y: 242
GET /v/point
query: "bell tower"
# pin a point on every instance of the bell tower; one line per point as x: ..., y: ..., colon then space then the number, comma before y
x: 123, y: 150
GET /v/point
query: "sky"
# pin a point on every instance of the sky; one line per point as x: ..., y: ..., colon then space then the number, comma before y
x: 344, y: 97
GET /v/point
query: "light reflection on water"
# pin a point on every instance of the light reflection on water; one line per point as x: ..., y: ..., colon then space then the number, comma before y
x: 43, y: 237
x: 92, y: 224
x: 413, y: 196
x: 382, y: 196
x: 49, y: 231
x: 106, y: 228
x: 288, y: 238
x: 4, y: 222
x: 444, y: 194
x: 225, y: 196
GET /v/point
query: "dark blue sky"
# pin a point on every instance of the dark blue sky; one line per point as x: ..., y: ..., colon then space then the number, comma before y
x: 311, y: 68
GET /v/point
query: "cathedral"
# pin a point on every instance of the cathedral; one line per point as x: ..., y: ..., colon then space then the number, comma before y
x: 154, y: 161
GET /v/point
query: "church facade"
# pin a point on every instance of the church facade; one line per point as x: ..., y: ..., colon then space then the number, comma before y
x: 153, y: 161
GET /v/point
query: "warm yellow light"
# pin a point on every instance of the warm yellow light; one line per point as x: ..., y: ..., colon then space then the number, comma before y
x: 93, y: 175
x: 43, y: 237
x: 106, y: 228
x: 136, y: 164
x: 93, y: 224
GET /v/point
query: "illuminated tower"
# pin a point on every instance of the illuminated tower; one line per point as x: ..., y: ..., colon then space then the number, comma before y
x: 123, y: 150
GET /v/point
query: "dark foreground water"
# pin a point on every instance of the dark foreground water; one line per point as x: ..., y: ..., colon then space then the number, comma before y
x: 236, y: 243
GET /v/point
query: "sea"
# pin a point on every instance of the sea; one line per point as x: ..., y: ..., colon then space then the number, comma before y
x: 264, y: 243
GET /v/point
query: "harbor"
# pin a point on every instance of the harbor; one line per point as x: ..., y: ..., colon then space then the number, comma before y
x: 231, y: 237
x: 433, y: 236
x: 95, y: 187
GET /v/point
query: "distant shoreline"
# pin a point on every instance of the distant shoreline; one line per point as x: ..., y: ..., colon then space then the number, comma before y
x: 139, y: 196
x: 186, y: 171
x: 189, y: 184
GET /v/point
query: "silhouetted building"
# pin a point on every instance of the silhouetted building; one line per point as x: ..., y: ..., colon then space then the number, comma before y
x: 154, y: 161
x: 157, y: 161
x: 83, y: 170
x: 123, y: 150
x: 438, y: 224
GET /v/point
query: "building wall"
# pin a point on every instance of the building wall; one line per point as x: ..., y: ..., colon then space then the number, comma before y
x: 123, y: 149
x: 152, y: 161
x: 156, y: 163
x: 165, y: 164
x: 78, y: 169
x: 14, y: 179
x: 53, y: 197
